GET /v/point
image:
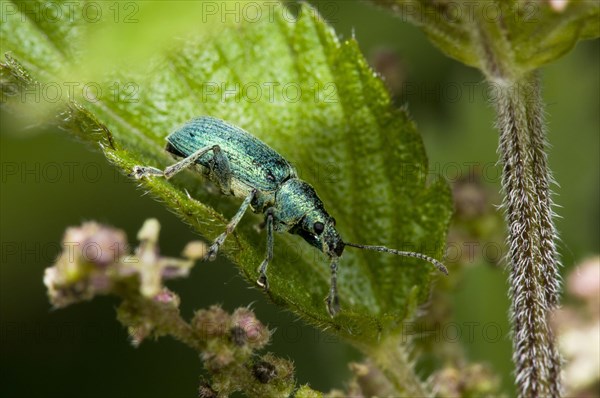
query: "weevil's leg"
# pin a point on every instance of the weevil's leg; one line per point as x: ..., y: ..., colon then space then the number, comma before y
x: 190, y: 160
x: 221, y: 171
x: 262, y: 278
x: 145, y: 171
x: 333, y: 301
x: 214, y: 248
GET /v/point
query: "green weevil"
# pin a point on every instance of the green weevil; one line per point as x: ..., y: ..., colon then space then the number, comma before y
x: 243, y: 166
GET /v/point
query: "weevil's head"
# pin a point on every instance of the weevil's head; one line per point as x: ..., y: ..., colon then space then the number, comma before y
x: 319, y: 230
x: 299, y: 207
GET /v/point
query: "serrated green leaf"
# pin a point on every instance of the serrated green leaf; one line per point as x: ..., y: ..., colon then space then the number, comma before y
x: 320, y: 106
x: 502, y: 37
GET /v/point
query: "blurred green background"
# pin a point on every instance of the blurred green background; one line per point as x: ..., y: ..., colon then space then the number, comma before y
x: 50, y: 181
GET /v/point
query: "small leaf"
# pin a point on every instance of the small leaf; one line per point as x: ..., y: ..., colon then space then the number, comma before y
x: 499, y: 36
x: 314, y: 99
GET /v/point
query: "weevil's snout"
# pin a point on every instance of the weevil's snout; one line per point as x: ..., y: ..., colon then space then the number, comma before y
x: 337, y: 248
x: 333, y: 244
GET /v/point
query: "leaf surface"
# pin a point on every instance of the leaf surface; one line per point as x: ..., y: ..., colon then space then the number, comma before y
x: 313, y: 98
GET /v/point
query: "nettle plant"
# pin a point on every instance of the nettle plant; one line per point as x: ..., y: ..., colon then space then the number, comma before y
x: 344, y: 116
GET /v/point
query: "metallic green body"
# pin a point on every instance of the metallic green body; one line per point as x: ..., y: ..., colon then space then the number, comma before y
x: 253, y: 165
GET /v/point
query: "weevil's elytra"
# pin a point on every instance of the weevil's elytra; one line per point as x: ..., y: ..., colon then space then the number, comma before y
x: 243, y: 166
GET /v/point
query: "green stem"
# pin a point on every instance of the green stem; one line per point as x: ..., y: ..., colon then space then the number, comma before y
x: 392, y: 358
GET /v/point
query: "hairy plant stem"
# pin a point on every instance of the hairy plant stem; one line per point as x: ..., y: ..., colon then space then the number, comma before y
x: 391, y: 357
x: 534, y: 277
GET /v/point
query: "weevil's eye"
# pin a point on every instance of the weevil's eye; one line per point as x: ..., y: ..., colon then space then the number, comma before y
x: 318, y: 227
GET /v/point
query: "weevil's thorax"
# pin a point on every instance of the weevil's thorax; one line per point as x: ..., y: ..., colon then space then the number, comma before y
x: 300, y: 211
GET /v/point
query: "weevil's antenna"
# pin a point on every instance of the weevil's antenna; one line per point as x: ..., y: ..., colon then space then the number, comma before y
x: 384, y: 249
